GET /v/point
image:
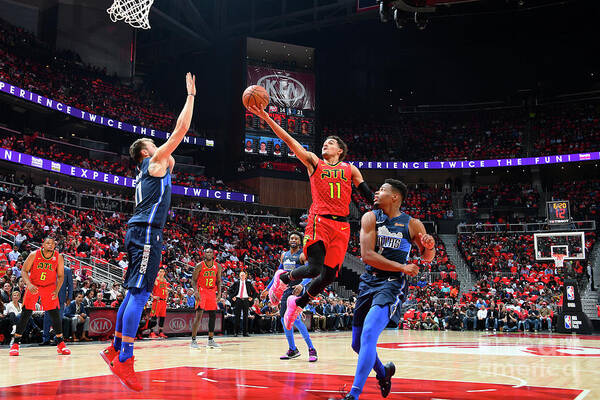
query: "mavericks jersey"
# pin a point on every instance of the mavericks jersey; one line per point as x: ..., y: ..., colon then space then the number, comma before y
x: 152, y: 197
x: 393, y: 241
x: 331, y: 188
x: 207, y: 279
x: 43, y: 270
x: 291, y: 261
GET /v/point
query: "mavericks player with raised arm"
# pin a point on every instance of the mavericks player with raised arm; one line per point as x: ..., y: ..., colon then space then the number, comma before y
x: 327, y: 231
x: 290, y: 260
x: 386, y: 235
x: 144, y: 237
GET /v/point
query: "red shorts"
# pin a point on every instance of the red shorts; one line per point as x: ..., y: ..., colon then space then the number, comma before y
x: 45, y: 292
x: 159, y: 308
x: 334, y: 234
x: 208, y: 299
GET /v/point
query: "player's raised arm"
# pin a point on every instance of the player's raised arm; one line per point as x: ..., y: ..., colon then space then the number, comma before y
x: 424, y: 241
x: 162, y: 156
x: 307, y: 158
x: 368, y: 237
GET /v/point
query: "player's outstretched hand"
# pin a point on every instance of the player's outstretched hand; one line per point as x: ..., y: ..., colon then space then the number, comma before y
x: 190, y: 83
x: 427, y: 241
x: 411, y: 269
x: 262, y: 114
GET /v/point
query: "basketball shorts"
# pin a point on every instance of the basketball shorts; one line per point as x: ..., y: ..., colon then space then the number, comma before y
x: 334, y: 235
x: 208, y: 300
x: 144, y: 250
x: 379, y: 291
x: 45, y: 293
x: 159, y: 308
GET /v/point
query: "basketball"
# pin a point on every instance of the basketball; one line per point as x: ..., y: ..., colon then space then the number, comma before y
x: 255, y: 96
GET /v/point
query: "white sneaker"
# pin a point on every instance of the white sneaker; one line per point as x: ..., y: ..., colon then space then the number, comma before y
x: 213, y: 344
x: 194, y: 345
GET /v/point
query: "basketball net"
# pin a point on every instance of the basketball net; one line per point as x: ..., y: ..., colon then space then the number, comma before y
x: 559, y: 260
x: 133, y: 12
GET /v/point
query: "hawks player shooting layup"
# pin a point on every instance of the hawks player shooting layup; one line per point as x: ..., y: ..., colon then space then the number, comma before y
x: 386, y: 235
x: 160, y: 294
x: 207, y: 280
x: 327, y: 231
x: 144, y: 237
x: 43, y: 273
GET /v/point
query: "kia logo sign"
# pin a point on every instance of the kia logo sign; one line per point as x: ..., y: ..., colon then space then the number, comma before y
x: 283, y: 89
x: 101, y: 325
x: 177, y: 324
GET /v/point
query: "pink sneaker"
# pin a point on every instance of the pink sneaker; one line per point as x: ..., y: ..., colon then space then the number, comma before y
x: 292, y: 312
x: 277, y: 288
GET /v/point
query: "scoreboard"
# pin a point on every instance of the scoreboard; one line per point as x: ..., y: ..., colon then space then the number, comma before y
x: 557, y: 211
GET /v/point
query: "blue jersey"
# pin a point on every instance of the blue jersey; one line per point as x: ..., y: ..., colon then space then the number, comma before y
x: 393, y: 240
x: 152, y: 197
x: 291, y: 261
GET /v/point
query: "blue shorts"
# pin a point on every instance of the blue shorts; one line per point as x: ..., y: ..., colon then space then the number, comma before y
x: 144, y: 251
x: 379, y: 291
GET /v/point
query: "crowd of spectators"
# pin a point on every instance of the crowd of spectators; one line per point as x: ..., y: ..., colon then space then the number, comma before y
x: 473, y: 135
x: 30, y: 64
x: 583, y: 196
x: 62, y: 152
x: 513, y: 196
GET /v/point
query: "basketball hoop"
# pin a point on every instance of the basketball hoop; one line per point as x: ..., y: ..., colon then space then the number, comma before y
x: 559, y: 260
x: 133, y: 12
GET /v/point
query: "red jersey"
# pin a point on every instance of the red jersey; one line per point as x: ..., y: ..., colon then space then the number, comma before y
x: 43, y: 270
x: 331, y: 188
x: 161, y: 289
x: 207, y: 278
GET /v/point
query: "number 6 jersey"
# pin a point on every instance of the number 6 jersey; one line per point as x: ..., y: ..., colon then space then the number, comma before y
x: 43, y: 270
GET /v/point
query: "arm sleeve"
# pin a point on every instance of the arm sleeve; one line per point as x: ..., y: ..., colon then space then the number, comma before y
x: 271, y: 283
x: 363, y: 188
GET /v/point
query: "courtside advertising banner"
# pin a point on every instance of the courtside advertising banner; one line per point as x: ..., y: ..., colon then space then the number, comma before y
x: 285, y: 88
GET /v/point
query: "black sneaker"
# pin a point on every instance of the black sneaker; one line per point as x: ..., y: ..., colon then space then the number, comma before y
x: 385, y: 384
x: 290, y: 354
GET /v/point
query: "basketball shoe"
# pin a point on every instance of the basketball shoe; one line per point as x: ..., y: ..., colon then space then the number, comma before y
x: 126, y: 374
x: 290, y: 354
x: 292, y: 312
x: 162, y: 335
x: 62, y: 349
x: 153, y: 335
x: 212, y: 344
x: 312, y: 355
x: 385, y: 383
x: 277, y: 288
x: 109, y: 354
x: 14, y: 350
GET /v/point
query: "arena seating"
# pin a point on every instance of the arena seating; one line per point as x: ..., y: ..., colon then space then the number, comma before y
x: 32, y: 65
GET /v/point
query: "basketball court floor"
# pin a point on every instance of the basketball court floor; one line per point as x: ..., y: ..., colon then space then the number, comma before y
x: 429, y: 365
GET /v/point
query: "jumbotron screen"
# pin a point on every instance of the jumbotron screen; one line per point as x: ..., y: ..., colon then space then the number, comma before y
x: 291, y: 105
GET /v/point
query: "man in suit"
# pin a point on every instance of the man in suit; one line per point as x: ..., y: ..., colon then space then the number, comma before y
x: 79, y: 315
x: 241, y: 294
x: 65, y: 294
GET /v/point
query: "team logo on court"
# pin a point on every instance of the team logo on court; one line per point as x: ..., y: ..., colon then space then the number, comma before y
x: 570, y: 293
x: 101, y: 325
x: 177, y: 324
x: 495, y: 349
x: 568, y: 322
